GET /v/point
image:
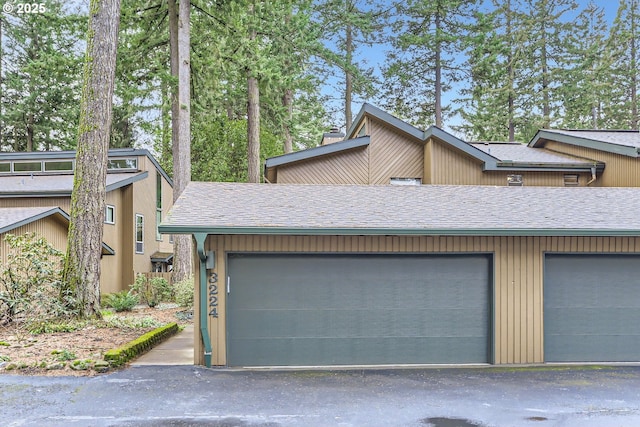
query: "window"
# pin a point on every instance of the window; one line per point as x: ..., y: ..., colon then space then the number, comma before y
x: 405, y: 181
x: 139, y: 234
x: 110, y: 215
x: 58, y: 166
x: 158, y: 205
x: 362, y: 131
x: 572, y: 180
x: 5, y: 167
x: 123, y: 164
x: 27, y: 166
x: 514, y: 181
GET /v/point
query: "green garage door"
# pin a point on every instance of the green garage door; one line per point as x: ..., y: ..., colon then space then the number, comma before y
x: 592, y: 308
x: 301, y: 310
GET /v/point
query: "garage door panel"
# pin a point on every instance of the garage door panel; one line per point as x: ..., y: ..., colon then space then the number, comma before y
x: 368, y: 351
x: 356, y: 309
x: 592, y: 308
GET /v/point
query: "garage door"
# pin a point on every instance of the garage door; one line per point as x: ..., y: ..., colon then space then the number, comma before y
x: 592, y: 308
x: 301, y: 310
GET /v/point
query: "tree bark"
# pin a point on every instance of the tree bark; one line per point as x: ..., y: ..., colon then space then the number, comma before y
x: 438, y: 73
x: 348, y: 78
x: 287, y: 103
x: 81, y: 272
x: 181, y: 129
x: 253, y: 117
x: 253, y: 129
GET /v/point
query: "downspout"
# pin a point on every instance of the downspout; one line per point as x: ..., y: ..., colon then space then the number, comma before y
x: 204, y: 325
x: 593, y: 175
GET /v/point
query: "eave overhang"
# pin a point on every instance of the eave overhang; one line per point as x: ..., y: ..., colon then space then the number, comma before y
x: 542, y: 136
x: 489, y: 232
x: 53, y: 211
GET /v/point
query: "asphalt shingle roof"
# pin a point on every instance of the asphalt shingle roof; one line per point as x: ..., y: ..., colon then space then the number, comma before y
x: 11, y: 218
x: 521, y: 153
x: 233, y: 208
x: 11, y: 185
x: 619, y: 137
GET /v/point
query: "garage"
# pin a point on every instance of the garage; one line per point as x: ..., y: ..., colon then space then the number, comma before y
x: 358, y: 309
x: 592, y: 308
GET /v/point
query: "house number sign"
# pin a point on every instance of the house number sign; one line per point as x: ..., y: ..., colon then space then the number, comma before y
x: 213, y: 294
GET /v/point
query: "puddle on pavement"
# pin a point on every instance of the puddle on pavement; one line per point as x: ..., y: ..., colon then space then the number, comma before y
x: 536, y: 419
x: 449, y: 422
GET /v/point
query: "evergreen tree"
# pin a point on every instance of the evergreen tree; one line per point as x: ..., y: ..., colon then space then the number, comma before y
x: 41, y: 78
x: 587, y: 81
x: 623, y: 46
x: 425, y: 60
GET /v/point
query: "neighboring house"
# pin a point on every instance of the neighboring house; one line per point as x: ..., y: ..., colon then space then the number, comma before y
x: 381, y: 149
x: 618, y: 149
x: 50, y: 223
x: 139, y: 194
x: 302, y: 275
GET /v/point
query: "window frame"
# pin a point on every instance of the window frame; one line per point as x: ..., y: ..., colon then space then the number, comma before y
x: 113, y: 214
x: 139, y: 229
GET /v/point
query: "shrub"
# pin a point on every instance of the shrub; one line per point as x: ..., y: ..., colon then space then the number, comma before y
x: 121, y: 301
x: 183, y: 292
x: 30, y: 283
x: 151, y: 291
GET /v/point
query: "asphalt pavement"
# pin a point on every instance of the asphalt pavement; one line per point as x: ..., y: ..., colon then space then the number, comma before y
x: 195, y: 396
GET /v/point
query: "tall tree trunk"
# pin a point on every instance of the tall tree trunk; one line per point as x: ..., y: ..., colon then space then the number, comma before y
x: 546, y: 103
x: 348, y: 77
x: 29, y: 130
x: 253, y: 116
x: 511, y: 76
x: 634, y: 68
x: 438, y: 76
x: 181, y: 131
x: 82, y: 266
x: 287, y: 102
x: 253, y: 128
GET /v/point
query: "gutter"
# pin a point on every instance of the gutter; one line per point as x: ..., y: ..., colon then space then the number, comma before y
x: 204, y: 326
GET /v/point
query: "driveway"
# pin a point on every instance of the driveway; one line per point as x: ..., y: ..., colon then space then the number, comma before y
x: 196, y: 396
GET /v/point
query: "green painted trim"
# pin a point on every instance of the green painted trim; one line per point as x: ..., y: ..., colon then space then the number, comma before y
x: 123, y: 183
x: 204, y: 326
x: 526, y: 232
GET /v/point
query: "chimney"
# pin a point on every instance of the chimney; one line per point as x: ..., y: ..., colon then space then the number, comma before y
x: 334, y: 135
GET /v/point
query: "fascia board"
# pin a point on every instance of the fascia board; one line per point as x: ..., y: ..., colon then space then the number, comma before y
x: 41, y: 215
x: 311, y: 153
x: 544, y: 135
x: 124, y: 182
x: 383, y: 116
x: 490, y: 162
x: 542, y: 167
x: 525, y: 232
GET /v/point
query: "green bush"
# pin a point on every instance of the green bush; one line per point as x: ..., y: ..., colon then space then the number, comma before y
x: 121, y: 301
x: 31, y: 288
x: 183, y: 292
x: 151, y: 291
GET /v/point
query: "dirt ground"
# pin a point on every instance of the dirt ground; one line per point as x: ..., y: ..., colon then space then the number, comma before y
x: 56, y: 353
